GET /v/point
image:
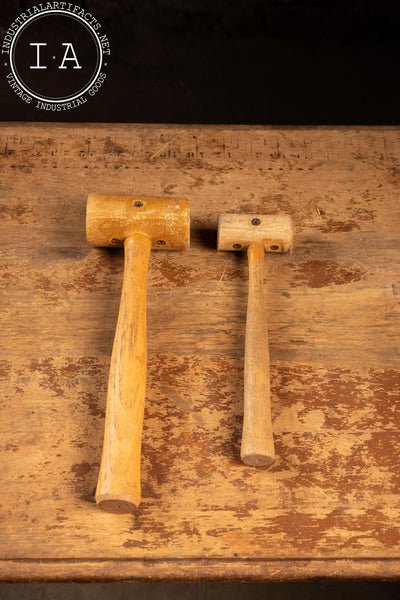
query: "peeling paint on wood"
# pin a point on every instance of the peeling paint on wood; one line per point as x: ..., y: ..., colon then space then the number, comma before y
x: 330, y: 505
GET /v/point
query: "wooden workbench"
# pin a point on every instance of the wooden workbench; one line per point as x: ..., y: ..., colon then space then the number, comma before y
x: 330, y: 505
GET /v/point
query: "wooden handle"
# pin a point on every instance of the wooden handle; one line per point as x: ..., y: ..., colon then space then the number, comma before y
x: 118, y: 487
x: 257, y: 439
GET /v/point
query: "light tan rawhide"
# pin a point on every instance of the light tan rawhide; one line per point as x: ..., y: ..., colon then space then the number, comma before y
x: 138, y: 223
x: 111, y: 218
x: 238, y: 231
x: 256, y: 233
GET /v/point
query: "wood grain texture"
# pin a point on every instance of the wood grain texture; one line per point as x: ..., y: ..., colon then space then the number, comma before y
x: 257, y: 448
x: 330, y: 504
x: 195, y: 570
x: 118, y: 487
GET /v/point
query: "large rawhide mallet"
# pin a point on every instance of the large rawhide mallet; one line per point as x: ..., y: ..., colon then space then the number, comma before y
x: 138, y: 224
x: 256, y: 233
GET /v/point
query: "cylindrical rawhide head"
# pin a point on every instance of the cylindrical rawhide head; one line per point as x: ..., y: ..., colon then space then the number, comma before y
x: 238, y: 231
x: 110, y: 219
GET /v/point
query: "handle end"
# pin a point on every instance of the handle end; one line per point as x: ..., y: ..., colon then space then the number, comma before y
x: 257, y: 460
x: 117, y: 503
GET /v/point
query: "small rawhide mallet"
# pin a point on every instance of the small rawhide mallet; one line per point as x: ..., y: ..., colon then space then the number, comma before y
x: 138, y: 224
x: 256, y: 234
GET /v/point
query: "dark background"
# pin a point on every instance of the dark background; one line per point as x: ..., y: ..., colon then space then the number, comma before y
x: 350, y: 590
x: 238, y: 61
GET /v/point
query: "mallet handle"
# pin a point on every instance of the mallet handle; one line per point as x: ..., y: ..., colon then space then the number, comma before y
x: 118, y: 488
x: 257, y: 438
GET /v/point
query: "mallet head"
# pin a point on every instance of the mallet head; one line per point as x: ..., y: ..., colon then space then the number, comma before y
x: 239, y: 231
x: 112, y: 218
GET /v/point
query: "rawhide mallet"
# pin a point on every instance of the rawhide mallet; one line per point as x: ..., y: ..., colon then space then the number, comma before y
x: 256, y: 234
x: 137, y: 223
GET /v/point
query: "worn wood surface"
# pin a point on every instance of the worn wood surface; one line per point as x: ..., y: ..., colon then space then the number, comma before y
x: 329, y: 506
